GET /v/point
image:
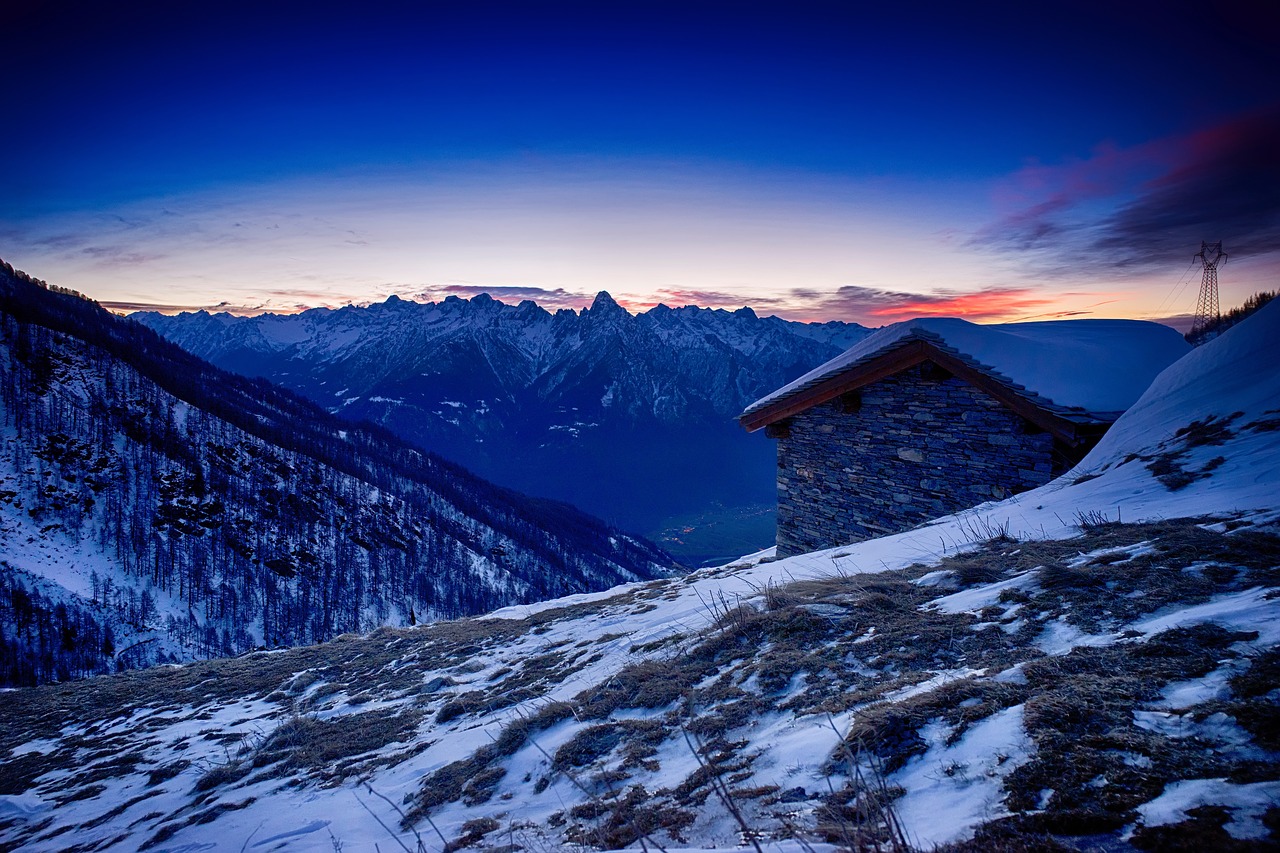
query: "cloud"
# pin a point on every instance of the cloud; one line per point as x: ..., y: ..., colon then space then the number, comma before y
x: 549, y: 298
x: 118, y: 256
x: 987, y: 304
x: 276, y: 302
x: 1229, y: 190
x: 872, y: 306
x: 128, y: 307
x: 676, y: 298
x: 61, y: 242
x: 1149, y: 206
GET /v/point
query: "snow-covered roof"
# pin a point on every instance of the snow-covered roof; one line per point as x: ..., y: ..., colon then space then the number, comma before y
x: 1099, y: 367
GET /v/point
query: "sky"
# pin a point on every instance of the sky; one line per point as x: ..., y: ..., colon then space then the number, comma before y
x: 817, y: 161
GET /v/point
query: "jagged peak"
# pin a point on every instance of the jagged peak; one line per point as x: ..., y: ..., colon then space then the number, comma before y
x: 393, y: 302
x: 604, y: 304
x: 529, y: 308
x: 746, y: 311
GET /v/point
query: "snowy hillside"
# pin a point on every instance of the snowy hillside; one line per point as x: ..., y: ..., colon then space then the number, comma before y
x: 1090, y: 665
x: 627, y: 416
x: 154, y: 508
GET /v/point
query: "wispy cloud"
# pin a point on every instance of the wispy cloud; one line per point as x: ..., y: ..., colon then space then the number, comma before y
x: 549, y: 298
x: 272, y: 302
x: 1228, y: 188
x: 60, y: 242
x: 127, y: 307
x: 877, y: 306
x: 119, y: 256
x: 675, y: 298
x: 890, y: 306
x: 1150, y: 205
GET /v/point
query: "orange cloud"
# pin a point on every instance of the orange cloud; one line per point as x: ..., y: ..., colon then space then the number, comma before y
x: 994, y: 304
x: 872, y: 306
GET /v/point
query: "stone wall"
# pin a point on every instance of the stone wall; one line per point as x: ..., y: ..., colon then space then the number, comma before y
x: 909, y: 448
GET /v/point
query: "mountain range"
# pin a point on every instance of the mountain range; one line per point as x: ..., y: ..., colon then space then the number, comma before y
x: 628, y: 416
x: 156, y: 508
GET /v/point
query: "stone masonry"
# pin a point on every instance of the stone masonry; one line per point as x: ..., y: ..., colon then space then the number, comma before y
x: 908, y: 448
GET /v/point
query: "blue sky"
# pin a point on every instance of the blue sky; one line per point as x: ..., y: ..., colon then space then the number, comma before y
x: 815, y: 160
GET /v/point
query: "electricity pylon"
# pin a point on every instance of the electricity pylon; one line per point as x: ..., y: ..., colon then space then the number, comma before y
x: 1207, y: 311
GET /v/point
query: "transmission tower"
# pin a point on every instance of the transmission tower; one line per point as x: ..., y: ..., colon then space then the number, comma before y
x: 1209, y: 256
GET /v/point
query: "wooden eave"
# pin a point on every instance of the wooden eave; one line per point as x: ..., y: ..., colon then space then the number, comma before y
x: 908, y: 355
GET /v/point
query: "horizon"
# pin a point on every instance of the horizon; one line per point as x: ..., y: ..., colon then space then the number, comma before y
x: 1179, y: 323
x: 818, y: 163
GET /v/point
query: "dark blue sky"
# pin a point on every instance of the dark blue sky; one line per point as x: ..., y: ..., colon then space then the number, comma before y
x: 111, y: 104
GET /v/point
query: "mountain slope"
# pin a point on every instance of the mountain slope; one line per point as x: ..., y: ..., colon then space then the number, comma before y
x: 157, y: 508
x: 628, y: 416
x: 1033, y: 674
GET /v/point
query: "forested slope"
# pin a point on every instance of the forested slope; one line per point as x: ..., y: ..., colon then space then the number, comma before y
x: 154, y: 507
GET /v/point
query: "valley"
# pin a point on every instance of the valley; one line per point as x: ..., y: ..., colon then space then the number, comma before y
x: 627, y: 416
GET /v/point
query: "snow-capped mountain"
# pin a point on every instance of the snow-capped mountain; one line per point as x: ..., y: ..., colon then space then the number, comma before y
x: 1088, y: 665
x: 154, y: 507
x: 628, y: 416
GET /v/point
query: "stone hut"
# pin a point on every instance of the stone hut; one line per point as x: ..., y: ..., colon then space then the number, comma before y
x: 927, y: 417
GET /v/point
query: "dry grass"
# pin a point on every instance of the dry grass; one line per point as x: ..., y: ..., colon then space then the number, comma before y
x: 592, y: 744
x: 1080, y: 715
x: 473, y: 779
x: 828, y: 645
x: 327, y: 747
x: 624, y: 819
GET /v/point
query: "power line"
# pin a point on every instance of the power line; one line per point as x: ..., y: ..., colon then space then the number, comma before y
x: 1171, y: 298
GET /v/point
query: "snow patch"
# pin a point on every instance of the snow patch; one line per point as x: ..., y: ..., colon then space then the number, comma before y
x: 952, y: 789
x: 1247, y: 804
x: 975, y: 599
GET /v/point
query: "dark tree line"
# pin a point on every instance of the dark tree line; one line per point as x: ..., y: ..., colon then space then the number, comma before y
x: 1236, y: 315
x: 236, y: 514
x: 47, y: 640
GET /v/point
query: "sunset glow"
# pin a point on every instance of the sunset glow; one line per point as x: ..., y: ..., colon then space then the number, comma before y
x: 229, y: 163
